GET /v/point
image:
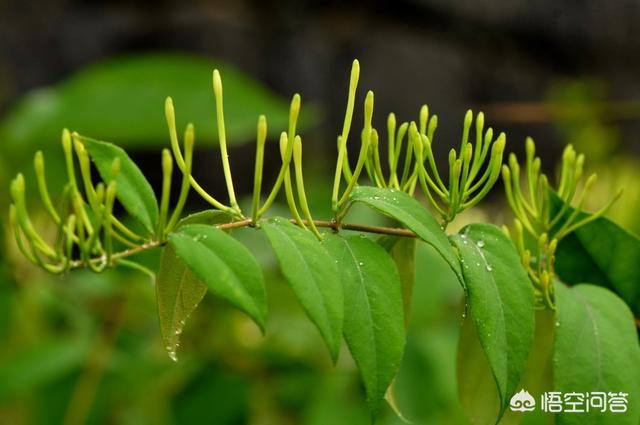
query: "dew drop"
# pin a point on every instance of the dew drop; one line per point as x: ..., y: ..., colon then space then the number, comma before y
x: 489, y: 268
x: 172, y: 353
x: 557, y: 324
x: 480, y: 243
x: 376, y: 197
x: 361, y: 263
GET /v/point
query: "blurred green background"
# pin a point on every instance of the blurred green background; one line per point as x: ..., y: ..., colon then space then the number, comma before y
x: 86, y: 348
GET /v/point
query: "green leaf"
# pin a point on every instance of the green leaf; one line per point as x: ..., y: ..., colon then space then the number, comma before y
x: 500, y: 298
x: 374, y: 318
x: 596, y: 349
x: 538, y: 374
x: 133, y: 190
x: 477, y: 390
x: 411, y: 213
x: 210, y: 217
x: 225, y: 266
x: 313, y: 276
x: 403, y: 253
x: 604, y: 254
x: 122, y: 99
x: 178, y: 290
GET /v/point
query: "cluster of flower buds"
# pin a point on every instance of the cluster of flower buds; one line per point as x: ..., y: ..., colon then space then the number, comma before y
x: 86, y: 227
x: 544, y: 215
x: 472, y: 171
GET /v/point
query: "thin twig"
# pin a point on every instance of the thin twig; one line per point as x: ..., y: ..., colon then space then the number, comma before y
x: 394, y: 231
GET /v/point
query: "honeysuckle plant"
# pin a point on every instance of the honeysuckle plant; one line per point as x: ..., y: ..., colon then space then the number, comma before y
x: 520, y: 316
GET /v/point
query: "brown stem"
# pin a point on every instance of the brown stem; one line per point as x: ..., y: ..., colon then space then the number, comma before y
x: 394, y: 231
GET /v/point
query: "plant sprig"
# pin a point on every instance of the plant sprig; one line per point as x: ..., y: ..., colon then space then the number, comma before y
x: 530, y: 197
x: 87, y: 224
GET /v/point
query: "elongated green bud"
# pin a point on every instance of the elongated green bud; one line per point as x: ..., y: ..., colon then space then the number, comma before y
x: 418, y: 146
x: 189, y: 141
x: 468, y: 152
x: 167, y: 162
x: 368, y: 110
x: 283, y: 142
x: 285, y: 146
x: 17, y: 190
x: 553, y: 245
x: 498, y: 147
x: 455, y: 188
x: 468, y: 118
x: 167, y: 171
x: 170, y: 116
x: 14, y: 222
x: 579, y: 166
x: 537, y: 163
x: 391, y: 132
x: 297, y: 150
x: 513, y: 163
x: 452, y: 157
x: 261, y: 137
x: 542, y: 241
x: 424, y: 118
x: 110, y: 198
x: 100, y: 193
x: 294, y: 113
x: 433, y: 125
x: 590, y: 181
x: 69, y: 237
x: 68, y: 156
x: 506, y: 174
x: 302, y: 197
x: 479, y: 127
x: 222, y: 138
x: 115, y: 168
x: 348, y: 117
x: 353, y: 85
x: 374, y: 138
x: 530, y: 147
x: 85, y: 172
x: 569, y: 154
x: 402, y: 131
x: 38, y: 165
